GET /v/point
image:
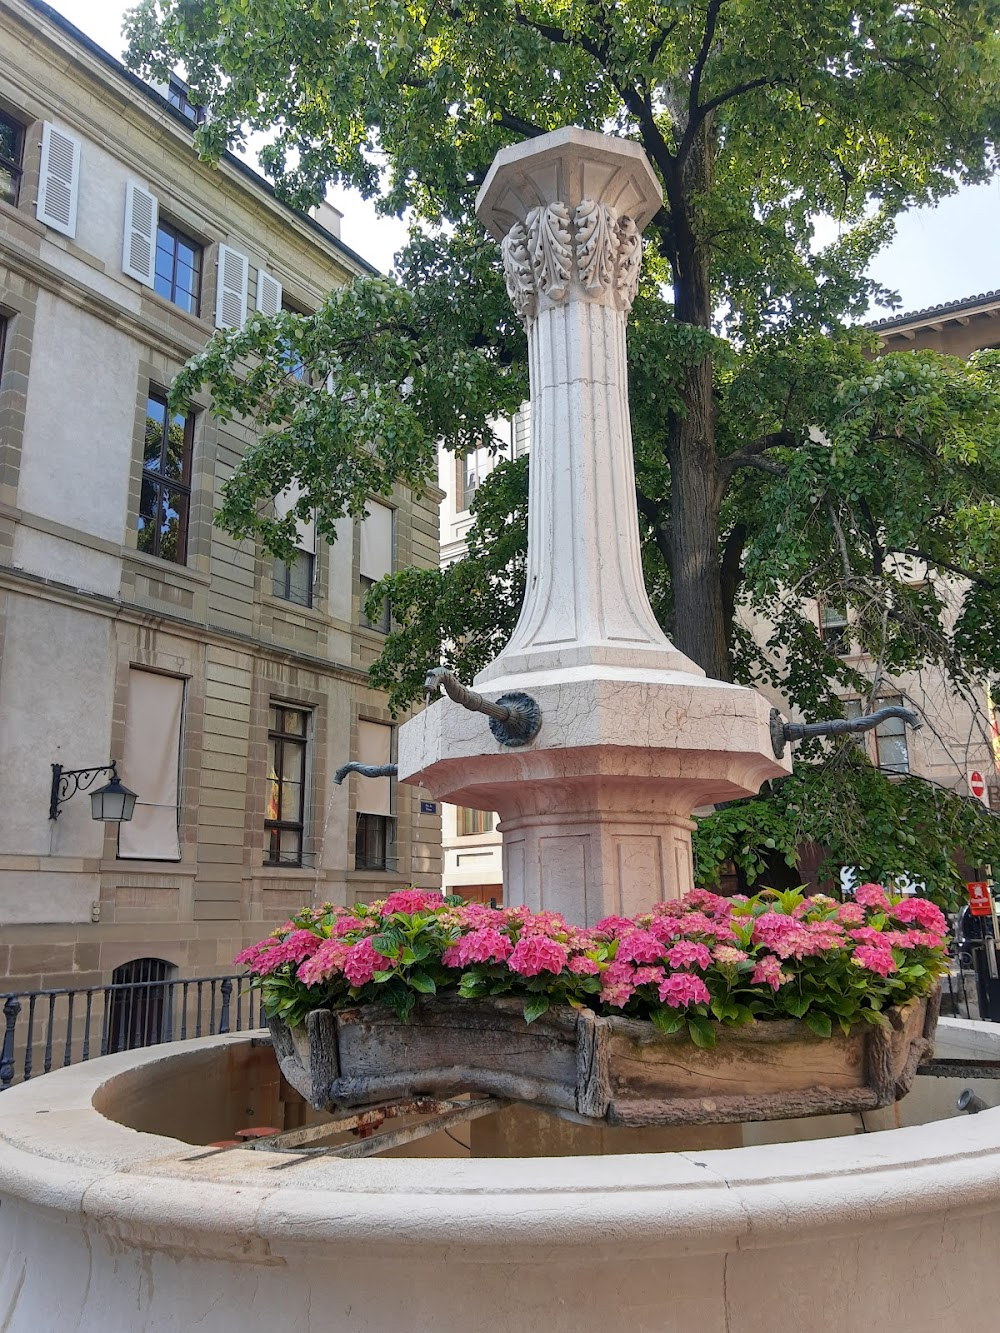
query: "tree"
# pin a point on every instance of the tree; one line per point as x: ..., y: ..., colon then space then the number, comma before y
x: 774, y: 462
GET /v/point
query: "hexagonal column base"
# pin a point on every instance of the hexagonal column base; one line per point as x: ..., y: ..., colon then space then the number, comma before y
x: 590, y: 861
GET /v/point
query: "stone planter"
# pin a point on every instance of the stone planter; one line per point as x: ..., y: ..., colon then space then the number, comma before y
x: 613, y: 1069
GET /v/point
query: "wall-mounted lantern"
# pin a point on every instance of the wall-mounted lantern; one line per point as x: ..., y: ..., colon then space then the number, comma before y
x: 111, y: 804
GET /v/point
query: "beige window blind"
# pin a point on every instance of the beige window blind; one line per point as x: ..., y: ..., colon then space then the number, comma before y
x: 151, y: 766
x: 374, y: 747
x: 376, y: 542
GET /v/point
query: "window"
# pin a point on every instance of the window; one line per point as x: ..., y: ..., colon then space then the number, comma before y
x: 151, y: 766
x: 377, y: 559
x: 165, y: 501
x: 293, y: 582
x: 891, y: 752
x: 375, y: 830
x: 374, y: 842
x: 473, y: 468
x: 284, y: 820
x: 834, y: 629
x: 178, y: 267
x: 138, y: 1009
x: 890, y: 739
x: 474, y: 821
x: 177, y: 95
x: 11, y: 148
x: 294, y: 364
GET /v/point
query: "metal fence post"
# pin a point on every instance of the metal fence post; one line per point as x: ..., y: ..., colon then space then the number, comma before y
x: 11, y: 1009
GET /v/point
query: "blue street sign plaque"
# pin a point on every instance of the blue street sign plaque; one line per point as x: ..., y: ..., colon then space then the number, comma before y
x: 428, y: 807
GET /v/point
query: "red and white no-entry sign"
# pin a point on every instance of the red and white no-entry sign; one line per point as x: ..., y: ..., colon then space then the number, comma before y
x: 980, y: 902
x: 977, y: 785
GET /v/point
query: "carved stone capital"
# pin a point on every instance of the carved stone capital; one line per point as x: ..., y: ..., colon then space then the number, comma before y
x: 588, y: 252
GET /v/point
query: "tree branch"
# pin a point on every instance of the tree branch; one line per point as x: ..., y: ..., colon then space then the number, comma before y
x: 511, y: 122
x: 653, y: 515
x: 750, y: 454
x: 708, y: 36
x: 878, y: 555
x: 958, y: 570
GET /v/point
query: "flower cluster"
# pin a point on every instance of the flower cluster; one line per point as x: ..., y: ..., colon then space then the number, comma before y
x: 697, y: 962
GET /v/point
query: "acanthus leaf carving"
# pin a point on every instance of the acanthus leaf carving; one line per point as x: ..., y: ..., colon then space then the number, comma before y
x: 629, y: 262
x: 550, y: 244
x: 539, y: 256
x: 597, y: 244
x: 518, y: 272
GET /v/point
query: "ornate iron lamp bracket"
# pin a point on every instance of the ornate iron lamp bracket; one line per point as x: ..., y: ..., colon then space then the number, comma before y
x: 66, y: 782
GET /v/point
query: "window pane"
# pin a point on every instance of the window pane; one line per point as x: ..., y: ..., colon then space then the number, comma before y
x: 173, y: 515
x: 892, y: 754
x: 147, y: 517
x: 153, y: 443
x: 289, y: 846
x: 175, y: 460
x: 294, y: 722
x: 293, y: 761
x: 8, y: 185
x: 279, y: 579
x: 10, y: 139
x: 300, y: 579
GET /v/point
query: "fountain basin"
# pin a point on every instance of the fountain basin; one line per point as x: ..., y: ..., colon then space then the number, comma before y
x: 614, y: 1069
x: 109, y: 1220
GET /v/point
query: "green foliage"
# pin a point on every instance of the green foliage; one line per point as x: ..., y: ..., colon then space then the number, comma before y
x: 873, y: 486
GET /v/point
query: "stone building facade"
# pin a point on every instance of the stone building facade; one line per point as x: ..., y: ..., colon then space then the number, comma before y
x: 228, y: 687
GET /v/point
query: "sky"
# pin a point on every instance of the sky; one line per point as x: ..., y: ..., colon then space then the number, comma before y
x: 939, y: 254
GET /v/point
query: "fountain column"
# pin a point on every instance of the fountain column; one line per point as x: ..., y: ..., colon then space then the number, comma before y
x: 595, y: 810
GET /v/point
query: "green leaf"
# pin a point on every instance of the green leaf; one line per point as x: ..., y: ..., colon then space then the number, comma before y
x: 668, y: 1020
x: 701, y: 1031
x: 535, y: 1007
x: 421, y: 982
x: 819, y: 1023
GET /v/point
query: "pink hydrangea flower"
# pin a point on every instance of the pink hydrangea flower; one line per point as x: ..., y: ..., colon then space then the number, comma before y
x: 871, y: 895
x: 299, y: 945
x: 686, y: 953
x: 768, y: 972
x: 926, y: 914
x: 617, y: 985
x: 682, y: 989
x: 644, y: 976
x: 729, y: 956
x: 362, y: 961
x: 326, y: 962
x: 479, y: 946
x: 536, y: 953
x: 873, y: 959
x: 639, y: 946
x: 850, y: 914
x: 613, y: 925
x: 411, y: 900
x: 583, y: 966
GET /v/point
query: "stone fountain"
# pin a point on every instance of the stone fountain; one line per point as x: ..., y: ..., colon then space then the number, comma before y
x: 595, y: 810
x: 118, y: 1213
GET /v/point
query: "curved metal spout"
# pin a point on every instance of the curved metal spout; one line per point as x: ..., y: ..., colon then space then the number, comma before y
x: 782, y: 732
x: 366, y: 771
x: 515, y: 718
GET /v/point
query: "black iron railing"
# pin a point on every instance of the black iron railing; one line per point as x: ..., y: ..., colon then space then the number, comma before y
x: 48, y: 1029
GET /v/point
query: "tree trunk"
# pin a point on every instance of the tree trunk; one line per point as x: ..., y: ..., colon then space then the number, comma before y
x: 695, y: 485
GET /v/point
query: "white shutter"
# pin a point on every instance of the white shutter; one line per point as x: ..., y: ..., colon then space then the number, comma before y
x: 374, y: 747
x: 376, y: 542
x: 268, y: 293
x: 231, y: 294
x: 139, y: 247
x: 58, y: 180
